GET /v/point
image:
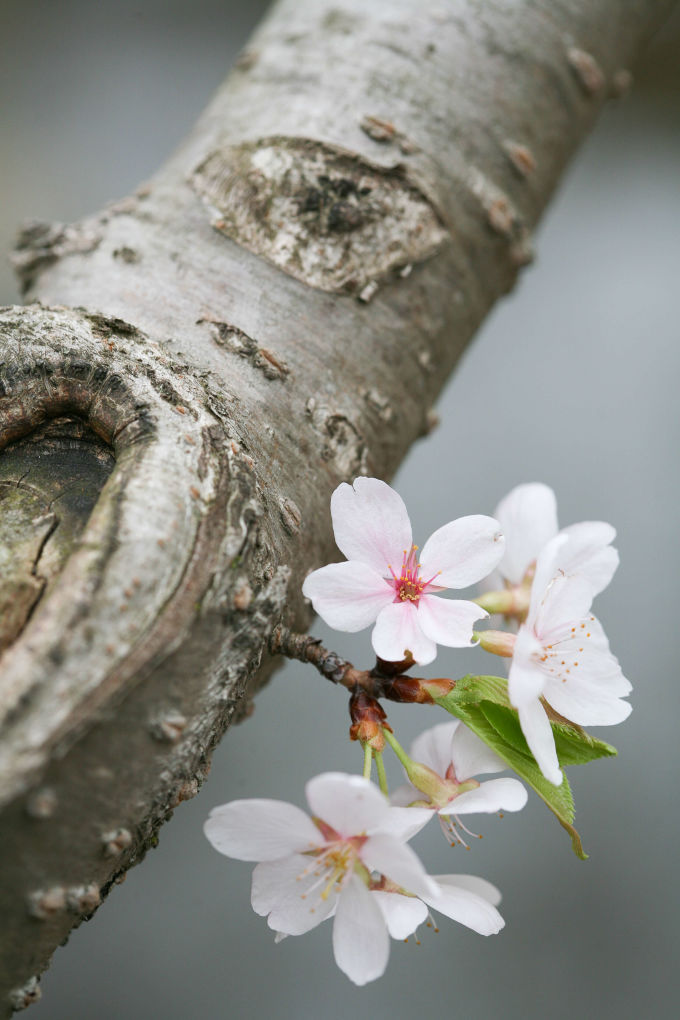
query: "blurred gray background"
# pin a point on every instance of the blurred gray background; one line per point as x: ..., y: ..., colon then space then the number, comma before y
x: 574, y: 382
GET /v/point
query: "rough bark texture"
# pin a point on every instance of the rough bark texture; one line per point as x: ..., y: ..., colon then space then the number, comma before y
x: 273, y: 313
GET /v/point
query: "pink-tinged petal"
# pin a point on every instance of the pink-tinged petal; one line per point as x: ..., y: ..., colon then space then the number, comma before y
x: 397, y: 631
x: 494, y: 795
x: 538, y: 735
x: 449, y: 621
x: 526, y: 677
x: 260, y: 830
x: 467, y: 908
x: 402, y: 914
x: 433, y: 747
x: 361, y: 944
x: 473, y: 884
x: 589, y: 554
x: 528, y: 519
x: 403, y: 822
x: 464, y: 551
x: 348, y: 596
x: 566, y: 599
x: 371, y: 524
x: 398, y: 862
x: 349, y: 804
x: 471, y: 756
x: 289, y: 891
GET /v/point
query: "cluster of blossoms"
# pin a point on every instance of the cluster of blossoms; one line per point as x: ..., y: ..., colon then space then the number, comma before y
x: 350, y: 861
x: 560, y: 656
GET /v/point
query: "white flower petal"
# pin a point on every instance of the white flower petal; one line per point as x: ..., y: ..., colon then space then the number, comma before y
x: 546, y: 570
x: 566, y: 599
x: 467, y: 908
x: 526, y: 678
x: 586, y: 704
x: 361, y: 943
x: 402, y: 914
x: 574, y: 662
x: 398, y: 862
x: 397, y: 631
x: 449, y: 621
x: 538, y: 734
x: 348, y: 596
x: 405, y: 795
x: 260, y: 830
x: 494, y: 795
x: 433, y: 747
x: 349, y: 804
x: 289, y: 891
x: 471, y: 756
x: 465, y: 551
x: 528, y: 519
x: 589, y: 554
x: 404, y: 822
x: 371, y: 524
x: 473, y: 884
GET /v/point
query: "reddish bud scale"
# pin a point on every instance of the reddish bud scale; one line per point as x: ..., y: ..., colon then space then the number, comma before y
x: 383, y: 668
x: 368, y: 719
x: 413, y: 690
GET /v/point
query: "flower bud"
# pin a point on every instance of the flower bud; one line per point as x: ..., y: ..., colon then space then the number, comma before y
x: 368, y: 719
x: 498, y: 642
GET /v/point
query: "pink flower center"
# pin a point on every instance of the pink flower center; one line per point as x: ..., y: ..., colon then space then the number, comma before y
x: 409, y: 585
x: 333, y: 863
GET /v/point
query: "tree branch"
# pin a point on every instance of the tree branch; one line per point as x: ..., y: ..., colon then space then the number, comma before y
x: 274, y: 312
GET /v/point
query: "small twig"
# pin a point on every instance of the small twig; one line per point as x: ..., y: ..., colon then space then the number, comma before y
x: 385, y: 680
x: 305, y: 648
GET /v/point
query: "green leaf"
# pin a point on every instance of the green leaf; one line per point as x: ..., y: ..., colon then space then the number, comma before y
x: 482, y: 704
x: 574, y: 746
x: 471, y: 690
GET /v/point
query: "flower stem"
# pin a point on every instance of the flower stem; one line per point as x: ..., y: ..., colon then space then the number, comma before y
x: 397, y: 748
x: 382, y: 777
x: 368, y: 759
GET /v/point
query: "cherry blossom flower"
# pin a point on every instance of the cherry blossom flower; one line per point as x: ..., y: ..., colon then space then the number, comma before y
x: 454, y: 755
x: 384, y: 580
x: 470, y: 900
x: 528, y: 519
x: 561, y: 654
x: 325, y: 866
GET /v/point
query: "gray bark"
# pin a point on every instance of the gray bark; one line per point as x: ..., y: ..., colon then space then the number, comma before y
x: 274, y: 312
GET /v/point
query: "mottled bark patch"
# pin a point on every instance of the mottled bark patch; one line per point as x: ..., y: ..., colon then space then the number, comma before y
x: 324, y: 216
x: 40, y: 244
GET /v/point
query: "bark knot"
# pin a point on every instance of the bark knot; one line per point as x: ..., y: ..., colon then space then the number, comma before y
x: 323, y: 215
